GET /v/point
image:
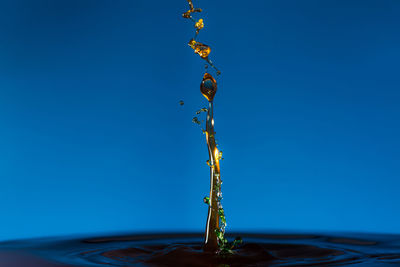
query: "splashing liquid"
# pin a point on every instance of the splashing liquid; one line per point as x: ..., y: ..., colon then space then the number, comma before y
x: 208, y: 88
x: 199, y: 48
x: 215, y: 240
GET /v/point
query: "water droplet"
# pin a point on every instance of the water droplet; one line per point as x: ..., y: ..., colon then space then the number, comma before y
x: 208, y: 87
x: 199, y: 25
x: 196, y: 120
x: 221, y: 212
x: 201, y: 49
x: 209, y: 163
x: 188, y: 13
x: 201, y: 110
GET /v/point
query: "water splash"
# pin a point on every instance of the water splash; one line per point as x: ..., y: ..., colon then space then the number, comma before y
x: 215, y: 240
x: 215, y: 227
x: 199, y: 48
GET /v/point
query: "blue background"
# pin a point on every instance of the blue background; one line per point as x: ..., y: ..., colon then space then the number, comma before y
x: 93, y: 139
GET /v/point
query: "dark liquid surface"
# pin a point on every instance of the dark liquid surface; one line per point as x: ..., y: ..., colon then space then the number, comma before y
x: 186, y: 250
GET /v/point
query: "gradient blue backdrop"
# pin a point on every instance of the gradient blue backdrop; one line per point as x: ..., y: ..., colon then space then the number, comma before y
x: 92, y: 137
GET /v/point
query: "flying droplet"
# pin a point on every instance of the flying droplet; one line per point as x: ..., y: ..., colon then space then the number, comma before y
x: 187, y: 14
x: 209, y: 163
x: 223, y: 220
x: 199, y: 25
x: 196, y: 120
x: 201, y: 110
x: 208, y: 87
x: 221, y: 212
x: 201, y: 49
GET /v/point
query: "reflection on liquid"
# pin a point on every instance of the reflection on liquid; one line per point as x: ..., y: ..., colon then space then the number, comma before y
x: 185, y: 250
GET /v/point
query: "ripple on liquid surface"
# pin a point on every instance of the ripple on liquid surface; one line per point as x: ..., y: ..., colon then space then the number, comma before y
x: 185, y: 250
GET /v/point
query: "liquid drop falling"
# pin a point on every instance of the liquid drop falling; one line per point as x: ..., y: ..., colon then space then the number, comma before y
x: 208, y: 87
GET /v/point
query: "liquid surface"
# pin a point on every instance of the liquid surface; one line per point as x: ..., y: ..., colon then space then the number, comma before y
x: 185, y: 250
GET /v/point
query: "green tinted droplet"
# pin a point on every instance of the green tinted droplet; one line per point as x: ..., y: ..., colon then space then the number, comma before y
x: 220, y: 235
x: 201, y: 110
x: 196, y: 120
x: 219, y: 155
x: 223, y: 220
x: 238, y: 240
x: 221, y: 212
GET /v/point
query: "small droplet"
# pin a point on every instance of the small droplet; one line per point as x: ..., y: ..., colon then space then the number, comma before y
x: 238, y: 240
x: 223, y: 220
x: 199, y: 25
x: 196, y: 120
x: 221, y: 212
x: 188, y: 13
x: 209, y: 164
x: 201, y: 110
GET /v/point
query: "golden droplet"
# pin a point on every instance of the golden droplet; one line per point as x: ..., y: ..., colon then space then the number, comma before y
x: 203, y: 51
x: 187, y: 14
x: 199, y: 48
x: 190, y: 4
x: 199, y: 25
x: 208, y: 87
x: 192, y: 43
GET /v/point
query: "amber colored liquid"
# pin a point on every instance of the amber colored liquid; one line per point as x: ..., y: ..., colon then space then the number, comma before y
x: 211, y: 241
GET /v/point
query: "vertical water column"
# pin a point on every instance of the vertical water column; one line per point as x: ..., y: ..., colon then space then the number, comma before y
x: 215, y: 227
x: 208, y: 88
